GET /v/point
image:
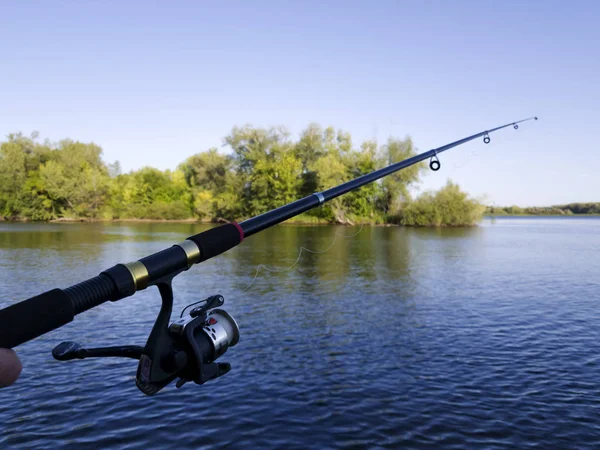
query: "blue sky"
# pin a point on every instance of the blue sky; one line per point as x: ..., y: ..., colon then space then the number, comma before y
x: 154, y: 82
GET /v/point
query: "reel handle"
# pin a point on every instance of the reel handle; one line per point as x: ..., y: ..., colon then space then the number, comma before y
x: 66, y: 351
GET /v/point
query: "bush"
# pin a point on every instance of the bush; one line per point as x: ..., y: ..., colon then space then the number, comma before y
x: 447, y: 207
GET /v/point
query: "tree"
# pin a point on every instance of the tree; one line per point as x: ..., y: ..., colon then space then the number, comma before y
x: 12, y: 176
x: 395, y: 186
x: 447, y: 207
x: 268, y: 170
x: 363, y: 202
x: 153, y: 194
x: 265, y: 169
x: 275, y: 180
x: 207, y: 170
x: 310, y: 146
x: 76, y: 178
x: 20, y: 158
x: 214, y: 183
x: 250, y: 145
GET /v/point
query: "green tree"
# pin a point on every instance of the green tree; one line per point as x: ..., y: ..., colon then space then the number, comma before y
x: 13, y: 175
x: 275, y: 180
x: 396, y: 186
x: 75, y: 179
x: 250, y: 144
x: 215, y: 185
x: 363, y: 202
x: 207, y: 170
x: 153, y: 194
x: 267, y: 168
x: 20, y: 157
x: 447, y: 207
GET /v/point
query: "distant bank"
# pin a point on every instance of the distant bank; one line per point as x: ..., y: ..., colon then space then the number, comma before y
x: 557, y: 210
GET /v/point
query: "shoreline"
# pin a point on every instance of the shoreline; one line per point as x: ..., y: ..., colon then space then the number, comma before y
x: 287, y: 222
x: 495, y: 216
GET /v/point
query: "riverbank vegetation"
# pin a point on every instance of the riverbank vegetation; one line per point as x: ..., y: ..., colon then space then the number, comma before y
x: 263, y: 169
x: 558, y: 210
x: 447, y: 207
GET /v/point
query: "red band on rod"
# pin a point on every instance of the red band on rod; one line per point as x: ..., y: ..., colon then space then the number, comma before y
x: 237, y: 225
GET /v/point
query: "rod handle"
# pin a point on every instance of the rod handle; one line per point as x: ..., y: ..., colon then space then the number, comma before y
x: 218, y: 240
x: 33, y: 317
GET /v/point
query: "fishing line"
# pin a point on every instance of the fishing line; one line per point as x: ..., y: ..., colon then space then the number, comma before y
x: 302, y: 249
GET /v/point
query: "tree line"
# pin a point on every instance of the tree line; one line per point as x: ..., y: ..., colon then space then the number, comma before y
x: 264, y: 168
x: 558, y: 210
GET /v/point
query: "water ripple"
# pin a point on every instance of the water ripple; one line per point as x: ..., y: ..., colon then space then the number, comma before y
x: 396, y: 338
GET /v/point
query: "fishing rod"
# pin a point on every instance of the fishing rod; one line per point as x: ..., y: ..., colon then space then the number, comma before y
x: 187, y: 348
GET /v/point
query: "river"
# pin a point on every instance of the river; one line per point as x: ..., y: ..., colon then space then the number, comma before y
x: 485, y: 337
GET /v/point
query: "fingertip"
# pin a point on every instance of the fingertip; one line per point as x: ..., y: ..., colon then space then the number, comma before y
x: 10, y: 367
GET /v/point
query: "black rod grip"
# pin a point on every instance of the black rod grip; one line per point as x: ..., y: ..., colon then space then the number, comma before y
x: 93, y: 292
x: 31, y: 318
x: 218, y: 240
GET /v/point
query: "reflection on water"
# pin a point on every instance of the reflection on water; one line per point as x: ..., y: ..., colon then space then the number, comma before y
x: 481, y: 337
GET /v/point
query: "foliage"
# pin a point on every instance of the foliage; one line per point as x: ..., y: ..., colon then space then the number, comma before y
x: 395, y: 186
x: 150, y: 194
x: 263, y: 169
x: 43, y: 181
x: 447, y: 207
x: 558, y: 210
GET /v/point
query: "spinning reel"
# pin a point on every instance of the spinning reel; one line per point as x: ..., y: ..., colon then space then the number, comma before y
x: 186, y: 349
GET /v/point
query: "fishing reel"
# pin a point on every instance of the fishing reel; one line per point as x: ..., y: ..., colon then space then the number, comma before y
x: 186, y: 349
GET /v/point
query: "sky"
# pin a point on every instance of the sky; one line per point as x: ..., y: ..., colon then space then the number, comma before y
x: 155, y: 82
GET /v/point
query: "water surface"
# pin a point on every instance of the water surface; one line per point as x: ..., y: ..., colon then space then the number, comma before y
x: 486, y: 337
